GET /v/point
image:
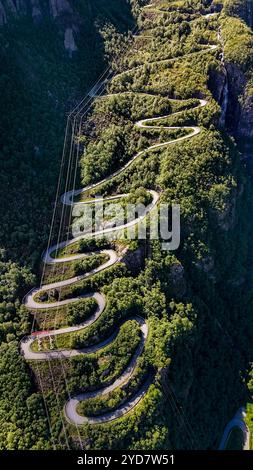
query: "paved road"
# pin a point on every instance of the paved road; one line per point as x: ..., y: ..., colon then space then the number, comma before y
x: 67, y: 353
x: 70, y: 408
x: 73, y: 417
x: 33, y: 304
x: 68, y: 199
x: 206, y: 48
x: 238, y: 421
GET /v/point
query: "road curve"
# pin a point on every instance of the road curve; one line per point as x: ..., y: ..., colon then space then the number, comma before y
x: 67, y: 353
x: 238, y: 421
x: 68, y: 199
x: 71, y: 405
x: 31, y: 303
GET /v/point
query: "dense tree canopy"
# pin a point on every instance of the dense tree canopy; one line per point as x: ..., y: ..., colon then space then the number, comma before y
x: 197, y: 302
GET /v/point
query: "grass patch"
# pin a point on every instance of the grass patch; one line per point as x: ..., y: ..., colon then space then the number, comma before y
x: 111, y: 401
x: 58, y: 272
x: 81, y: 246
x: 65, y: 340
x: 249, y: 422
x: 66, y: 315
x: 69, y: 250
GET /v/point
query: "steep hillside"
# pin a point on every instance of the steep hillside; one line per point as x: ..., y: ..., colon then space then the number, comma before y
x: 139, y: 347
x: 43, y: 74
x: 41, y: 81
x: 239, y: 117
x: 238, y: 42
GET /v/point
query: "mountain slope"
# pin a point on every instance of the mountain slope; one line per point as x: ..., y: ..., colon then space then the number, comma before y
x: 162, y: 127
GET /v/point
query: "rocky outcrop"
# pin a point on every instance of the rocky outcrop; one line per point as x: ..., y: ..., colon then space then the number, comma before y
x: 60, y: 7
x: 239, y: 115
x: 245, y: 124
x: 3, y: 18
x: 229, y: 88
x: 246, y: 12
x: 56, y: 8
x: 240, y: 8
x: 69, y: 41
x: 134, y: 260
x: 61, y: 12
x: 177, y: 280
x: 37, y: 14
x: 240, y: 104
x: 236, y: 84
x: 11, y: 7
x: 216, y: 83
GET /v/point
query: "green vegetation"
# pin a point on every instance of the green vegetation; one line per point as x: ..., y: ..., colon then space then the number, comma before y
x: 80, y: 311
x: 99, y: 369
x: 39, y: 84
x: 197, y: 301
x: 249, y: 407
x: 23, y: 421
x: 119, y: 305
x: 239, y: 50
x: 67, y: 340
x: 66, y: 270
x: 81, y: 246
x: 66, y: 315
x: 249, y: 422
x: 111, y: 401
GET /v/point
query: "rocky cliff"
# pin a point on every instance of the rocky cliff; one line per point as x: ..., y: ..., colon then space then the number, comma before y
x: 61, y: 11
x: 240, y: 103
x: 237, y: 19
x: 240, y: 8
x: 36, y: 8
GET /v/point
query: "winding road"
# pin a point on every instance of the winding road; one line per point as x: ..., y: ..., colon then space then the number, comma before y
x: 238, y: 421
x: 31, y: 302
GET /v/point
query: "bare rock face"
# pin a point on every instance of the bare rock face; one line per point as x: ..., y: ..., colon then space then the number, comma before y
x: 134, y: 259
x: 17, y: 6
x: 239, y: 105
x: 245, y: 124
x: 12, y: 7
x: 3, y: 18
x: 68, y: 20
x: 207, y: 266
x: 61, y: 11
x: 36, y: 11
x: 21, y: 5
x: 240, y: 110
x: 69, y: 41
x: 177, y: 280
x: 59, y: 7
x: 241, y: 8
x: 216, y: 84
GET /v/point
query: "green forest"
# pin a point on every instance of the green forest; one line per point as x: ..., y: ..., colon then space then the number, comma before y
x: 185, y: 315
